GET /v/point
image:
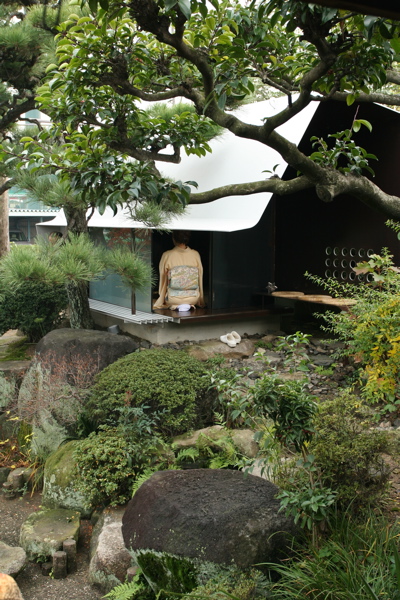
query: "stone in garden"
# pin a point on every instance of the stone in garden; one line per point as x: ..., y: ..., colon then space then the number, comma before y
x: 4, y: 471
x: 217, y: 516
x: 44, y: 532
x: 243, y: 439
x: 204, y: 350
x: 9, y: 590
x: 109, y: 558
x: 12, y: 559
x: 61, y: 345
x: 20, y: 477
x: 59, y: 482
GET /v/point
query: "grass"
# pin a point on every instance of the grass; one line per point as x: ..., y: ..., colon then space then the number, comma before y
x: 16, y: 351
x: 359, y: 561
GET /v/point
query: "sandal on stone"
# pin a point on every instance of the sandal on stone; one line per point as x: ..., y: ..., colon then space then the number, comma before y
x: 236, y: 337
x: 228, y: 339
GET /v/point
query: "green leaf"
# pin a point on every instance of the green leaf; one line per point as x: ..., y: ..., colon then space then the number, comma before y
x: 184, y: 5
x: 350, y: 99
x: 222, y: 101
x: 360, y: 122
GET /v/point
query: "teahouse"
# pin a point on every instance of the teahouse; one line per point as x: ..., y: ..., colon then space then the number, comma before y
x: 247, y: 242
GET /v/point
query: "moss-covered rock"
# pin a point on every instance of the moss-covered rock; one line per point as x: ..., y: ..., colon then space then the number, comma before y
x: 44, y: 532
x: 59, y: 485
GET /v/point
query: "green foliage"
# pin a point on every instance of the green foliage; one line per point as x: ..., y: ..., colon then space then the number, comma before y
x: 16, y: 351
x: 210, y: 452
x: 294, y: 347
x: 230, y: 582
x: 110, y: 459
x: 349, y: 453
x: 35, y: 308
x: 135, y: 273
x: 370, y: 328
x: 358, y: 561
x: 168, y: 381
x: 137, y: 589
x: 345, y: 155
x: 290, y: 406
x: 309, y: 505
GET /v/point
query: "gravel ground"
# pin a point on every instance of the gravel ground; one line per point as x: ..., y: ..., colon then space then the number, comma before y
x: 33, y: 585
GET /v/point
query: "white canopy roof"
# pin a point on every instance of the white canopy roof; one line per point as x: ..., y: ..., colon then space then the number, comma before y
x: 233, y: 160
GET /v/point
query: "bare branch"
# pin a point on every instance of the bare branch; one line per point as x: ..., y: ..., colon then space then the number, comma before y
x: 273, y: 186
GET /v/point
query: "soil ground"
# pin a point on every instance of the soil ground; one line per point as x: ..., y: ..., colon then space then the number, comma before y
x: 34, y: 585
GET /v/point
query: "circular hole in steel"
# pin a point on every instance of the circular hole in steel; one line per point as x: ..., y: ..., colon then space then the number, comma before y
x: 328, y: 262
x: 352, y: 276
x: 343, y: 275
x: 344, y: 251
x: 328, y: 250
x: 335, y: 274
x: 361, y: 253
x: 336, y: 251
x: 344, y: 264
x: 360, y: 277
x: 353, y: 251
x: 370, y: 252
x: 336, y: 262
x: 352, y: 264
x: 369, y: 277
x: 328, y: 273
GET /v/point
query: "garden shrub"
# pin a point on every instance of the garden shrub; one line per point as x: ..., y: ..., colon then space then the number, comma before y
x: 34, y: 308
x: 370, y: 328
x: 349, y: 453
x: 110, y: 460
x: 167, y: 381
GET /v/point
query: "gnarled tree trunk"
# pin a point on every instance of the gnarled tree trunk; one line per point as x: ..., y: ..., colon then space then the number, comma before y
x: 78, y: 291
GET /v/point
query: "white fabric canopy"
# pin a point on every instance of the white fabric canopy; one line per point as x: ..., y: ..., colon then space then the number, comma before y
x: 233, y: 160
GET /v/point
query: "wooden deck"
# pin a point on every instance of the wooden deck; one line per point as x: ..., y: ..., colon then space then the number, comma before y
x: 198, y: 315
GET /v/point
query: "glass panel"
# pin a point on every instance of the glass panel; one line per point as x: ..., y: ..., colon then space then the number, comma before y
x: 111, y: 289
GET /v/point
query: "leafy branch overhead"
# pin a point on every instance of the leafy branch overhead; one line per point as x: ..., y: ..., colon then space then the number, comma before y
x: 115, y: 58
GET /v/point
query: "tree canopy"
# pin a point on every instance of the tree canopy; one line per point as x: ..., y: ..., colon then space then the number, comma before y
x: 214, y: 55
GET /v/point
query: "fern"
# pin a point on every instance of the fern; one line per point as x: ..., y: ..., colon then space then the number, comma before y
x: 125, y: 591
x: 191, y: 453
x: 140, y: 479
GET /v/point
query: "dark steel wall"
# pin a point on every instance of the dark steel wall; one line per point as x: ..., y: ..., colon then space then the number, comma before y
x: 306, y: 226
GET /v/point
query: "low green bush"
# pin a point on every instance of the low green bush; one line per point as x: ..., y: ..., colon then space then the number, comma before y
x: 348, y: 453
x: 169, y: 382
x: 34, y: 308
x: 111, y: 459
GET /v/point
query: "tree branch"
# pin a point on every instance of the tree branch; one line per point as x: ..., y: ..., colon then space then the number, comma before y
x: 273, y: 185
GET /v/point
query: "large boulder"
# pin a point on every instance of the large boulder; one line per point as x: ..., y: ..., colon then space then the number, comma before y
x: 67, y: 345
x: 44, y: 532
x: 61, y: 374
x: 109, y: 558
x: 59, y: 482
x: 12, y: 559
x: 213, y: 516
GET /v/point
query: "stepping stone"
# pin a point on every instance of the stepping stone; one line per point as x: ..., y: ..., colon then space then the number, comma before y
x: 12, y: 559
x: 44, y: 532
